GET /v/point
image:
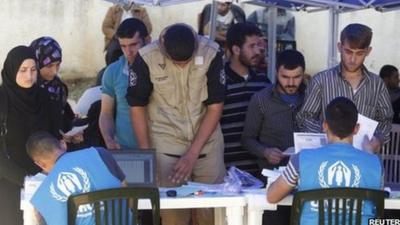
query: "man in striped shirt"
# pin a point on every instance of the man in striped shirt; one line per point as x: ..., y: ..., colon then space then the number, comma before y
x: 352, y: 80
x: 337, y: 164
x: 241, y: 83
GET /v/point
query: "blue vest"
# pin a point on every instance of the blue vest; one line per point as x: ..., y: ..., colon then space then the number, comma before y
x: 74, y: 173
x: 337, y: 165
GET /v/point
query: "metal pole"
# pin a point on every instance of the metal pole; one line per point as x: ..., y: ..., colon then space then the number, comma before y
x: 273, y: 12
x: 213, y: 19
x: 333, y: 36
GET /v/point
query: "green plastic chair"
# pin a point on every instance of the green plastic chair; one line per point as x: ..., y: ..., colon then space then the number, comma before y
x: 332, y: 196
x: 110, y: 208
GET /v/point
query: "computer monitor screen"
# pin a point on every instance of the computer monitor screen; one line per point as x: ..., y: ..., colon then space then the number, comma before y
x: 138, y: 166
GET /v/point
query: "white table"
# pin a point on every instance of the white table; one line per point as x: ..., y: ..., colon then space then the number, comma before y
x: 257, y: 203
x: 233, y: 215
x: 234, y: 206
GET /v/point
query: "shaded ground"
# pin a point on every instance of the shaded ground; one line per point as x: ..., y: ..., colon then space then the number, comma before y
x: 78, y: 86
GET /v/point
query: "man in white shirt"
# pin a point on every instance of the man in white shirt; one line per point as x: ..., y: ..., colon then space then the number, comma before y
x: 227, y: 15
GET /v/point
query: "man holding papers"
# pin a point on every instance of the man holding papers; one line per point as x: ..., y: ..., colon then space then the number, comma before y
x: 270, y: 123
x: 352, y: 80
x: 337, y: 164
x: 270, y: 120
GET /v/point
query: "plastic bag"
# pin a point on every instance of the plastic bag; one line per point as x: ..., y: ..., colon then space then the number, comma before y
x: 236, y: 180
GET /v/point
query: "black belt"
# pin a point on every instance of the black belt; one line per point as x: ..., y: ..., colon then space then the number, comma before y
x: 178, y: 156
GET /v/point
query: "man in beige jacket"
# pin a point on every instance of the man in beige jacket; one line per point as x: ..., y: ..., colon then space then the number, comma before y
x: 176, y: 93
x: 118, y: 13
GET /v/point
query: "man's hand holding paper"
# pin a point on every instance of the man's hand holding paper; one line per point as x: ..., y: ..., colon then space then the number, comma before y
x: 367, y: 128
x: 273, y: 155
x: 372, y: 145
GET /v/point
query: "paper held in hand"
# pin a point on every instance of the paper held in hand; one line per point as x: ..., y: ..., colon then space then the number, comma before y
x: 289, y: 151
x: 76, y: 130
x: 367, y: 127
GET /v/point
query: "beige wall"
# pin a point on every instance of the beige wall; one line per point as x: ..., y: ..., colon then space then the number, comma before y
x: 76, y: 24
x: 385, y: 42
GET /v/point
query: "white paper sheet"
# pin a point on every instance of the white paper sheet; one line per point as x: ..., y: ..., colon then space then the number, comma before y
x: 31, y: 184
x: 367, y: 127
x: 273, y: 174
x: 76, y: 130
x: 289, y: 151
x: 309, y: 140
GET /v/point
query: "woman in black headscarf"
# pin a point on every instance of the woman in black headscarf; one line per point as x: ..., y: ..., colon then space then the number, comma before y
x: 49, y: 55
x: 24, y: 111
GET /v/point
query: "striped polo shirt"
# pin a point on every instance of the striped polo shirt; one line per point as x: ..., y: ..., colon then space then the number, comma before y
x: 238, y: 94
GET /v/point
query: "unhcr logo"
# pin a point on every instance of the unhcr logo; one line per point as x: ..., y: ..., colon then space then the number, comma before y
x: 338, y: 175
x: 70, y: 183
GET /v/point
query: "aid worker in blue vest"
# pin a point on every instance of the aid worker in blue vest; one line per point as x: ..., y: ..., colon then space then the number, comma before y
x: 337, y: 164
x: 68, y: 174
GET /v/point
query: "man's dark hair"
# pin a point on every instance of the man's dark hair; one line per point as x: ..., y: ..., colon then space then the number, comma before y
x: 341, y: 115
x: 387, y: 71
x: 238, y: 32
x: 357, y: 35
x: 129, y: 27
x: 290, y: 60
x: 179, y: 42
x: 41, y: 143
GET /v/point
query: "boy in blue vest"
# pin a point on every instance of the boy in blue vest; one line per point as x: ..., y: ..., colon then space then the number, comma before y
x: 337, y: 164
x: 68, y: 174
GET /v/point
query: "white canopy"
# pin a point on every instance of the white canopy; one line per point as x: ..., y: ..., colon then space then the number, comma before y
x: 152, y: 2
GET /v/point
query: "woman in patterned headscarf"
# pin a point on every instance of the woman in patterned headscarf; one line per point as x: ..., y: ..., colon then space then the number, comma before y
x: 49, y: 55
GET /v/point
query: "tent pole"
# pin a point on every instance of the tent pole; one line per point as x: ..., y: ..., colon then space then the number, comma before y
x: 213, y: 19
x: 333, y: 36
x: 273, y: 12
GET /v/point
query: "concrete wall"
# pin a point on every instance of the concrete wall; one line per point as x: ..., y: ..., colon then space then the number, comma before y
x: 76, y: 24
